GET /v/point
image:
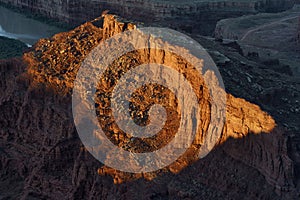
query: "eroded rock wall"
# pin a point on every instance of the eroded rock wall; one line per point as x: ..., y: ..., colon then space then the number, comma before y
x: 191, y: 16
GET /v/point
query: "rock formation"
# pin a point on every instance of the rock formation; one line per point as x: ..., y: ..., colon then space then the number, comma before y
x: 42, y: 157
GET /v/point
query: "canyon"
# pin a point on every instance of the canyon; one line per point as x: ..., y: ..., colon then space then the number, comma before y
x: 15, y: 25
x: 42, y: 157
x: 193, y: 16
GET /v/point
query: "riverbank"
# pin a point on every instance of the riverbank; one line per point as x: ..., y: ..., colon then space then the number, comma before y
x: 11, y: 48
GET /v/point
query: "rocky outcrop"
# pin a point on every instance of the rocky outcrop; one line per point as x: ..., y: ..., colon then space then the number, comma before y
x: 11, y: 48
x: 40, y: 149
x: 188, y: 16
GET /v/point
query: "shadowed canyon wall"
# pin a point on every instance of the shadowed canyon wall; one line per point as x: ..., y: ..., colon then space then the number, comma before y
x: 191, y: 16
x: 298, y: 35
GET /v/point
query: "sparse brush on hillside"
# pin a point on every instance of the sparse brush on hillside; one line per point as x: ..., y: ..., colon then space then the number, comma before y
x: 11, y: 48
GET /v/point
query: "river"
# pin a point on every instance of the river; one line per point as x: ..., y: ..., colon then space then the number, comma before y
x: 17, y: 26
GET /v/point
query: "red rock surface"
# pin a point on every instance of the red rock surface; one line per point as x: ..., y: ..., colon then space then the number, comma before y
x: 43, y: 158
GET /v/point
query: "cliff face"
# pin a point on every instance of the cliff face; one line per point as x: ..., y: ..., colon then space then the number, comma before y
x: 43, y: 157
x: 189, y: 15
